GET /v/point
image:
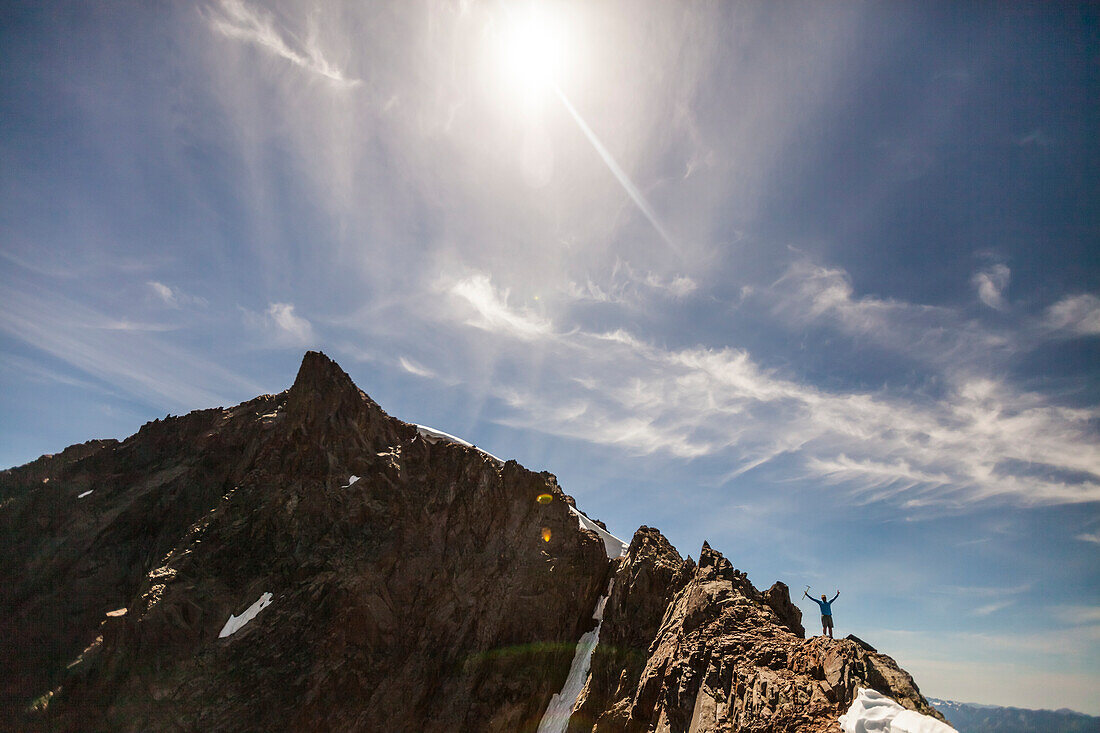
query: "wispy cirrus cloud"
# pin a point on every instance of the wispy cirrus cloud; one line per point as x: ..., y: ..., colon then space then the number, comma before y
x: 1077, y: 315
x: 991, y: 608
x: 129, y: 356
x: 808, y: 291
x: 492, y: 312
x: 625, y: 285
x: 415, y: 368
x: 173, y: 297
x: 982, y: 440
x: 125, y: 324
x: 37, y: 372
x: 811, y: 294
x: 953, y: 347
x: 238, y: 20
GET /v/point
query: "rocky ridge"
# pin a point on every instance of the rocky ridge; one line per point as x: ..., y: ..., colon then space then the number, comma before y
x: 696, y: 647
x: 439, y: 591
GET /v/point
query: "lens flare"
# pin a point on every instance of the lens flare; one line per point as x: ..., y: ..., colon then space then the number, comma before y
x: 544, y: 499
x: 545, y: 534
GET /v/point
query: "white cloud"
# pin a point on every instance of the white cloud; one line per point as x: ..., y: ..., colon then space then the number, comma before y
x: 983, y: 440
x: 992, y: 608
x: 625, y: 285
x: 679, y: 286
x: 164, y: 293
x: 808, y: 291
x: 1078, y: 314
x: 416, y: 369
x: 235, y: 19
x: 492, y: 311
x: 173, y: 297
x: 991, y: 283
x: 1089, y: 537
x: 932, y: 336
x: 283, y: 324
x: 125, y: 324
x: 875, y: 476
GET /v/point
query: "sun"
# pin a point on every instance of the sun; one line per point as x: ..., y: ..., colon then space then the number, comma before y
x: 533, y: 50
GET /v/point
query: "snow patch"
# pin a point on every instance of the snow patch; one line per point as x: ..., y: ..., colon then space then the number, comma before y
x: 81, y: 496
x: 433, y: 436
x: 557, y: 714
x: 613, y: 546
x: 872, y: 712
x: 235, y: 623
x: 351, y: 482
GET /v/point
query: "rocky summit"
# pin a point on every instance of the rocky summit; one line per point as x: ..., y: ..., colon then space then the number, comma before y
x: 304, y: 561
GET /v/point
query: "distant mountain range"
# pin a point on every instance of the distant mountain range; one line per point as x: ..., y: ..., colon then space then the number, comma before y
x: 973, y: 718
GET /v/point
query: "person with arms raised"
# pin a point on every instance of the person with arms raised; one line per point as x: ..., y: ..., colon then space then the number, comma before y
x: 826, y: 612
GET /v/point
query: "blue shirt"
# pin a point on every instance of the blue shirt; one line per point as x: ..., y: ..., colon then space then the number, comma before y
x: 826, y: 606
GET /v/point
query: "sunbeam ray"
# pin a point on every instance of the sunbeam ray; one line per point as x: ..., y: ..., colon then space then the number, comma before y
x: 618, y: 172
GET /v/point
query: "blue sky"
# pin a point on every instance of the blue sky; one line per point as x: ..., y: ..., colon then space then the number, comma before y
x: 817, y: 283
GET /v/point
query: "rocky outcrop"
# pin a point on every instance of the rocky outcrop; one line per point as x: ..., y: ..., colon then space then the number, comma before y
x: 381, y: 581
x: 778, y: 598
x: 645, y: 582
x: 421, y: 596
x: 724, y: 657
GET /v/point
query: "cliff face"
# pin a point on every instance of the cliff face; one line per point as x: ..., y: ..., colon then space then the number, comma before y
x: 415, y: 585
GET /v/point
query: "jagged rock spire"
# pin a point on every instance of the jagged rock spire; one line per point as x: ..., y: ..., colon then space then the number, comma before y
x: 324, y: 401
x: 319, y: 372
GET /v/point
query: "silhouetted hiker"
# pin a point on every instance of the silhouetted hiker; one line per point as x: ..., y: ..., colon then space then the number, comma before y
x: 826, y: 612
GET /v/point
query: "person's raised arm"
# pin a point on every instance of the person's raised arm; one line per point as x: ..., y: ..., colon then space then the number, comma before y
x: 836, y: 596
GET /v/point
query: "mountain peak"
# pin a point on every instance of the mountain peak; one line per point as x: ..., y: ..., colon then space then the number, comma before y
x: 324, y: 399
x: 322, y: 388
x: 320, y: 372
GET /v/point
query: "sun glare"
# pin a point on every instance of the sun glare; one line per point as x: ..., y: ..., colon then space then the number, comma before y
x: 534, y: 48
